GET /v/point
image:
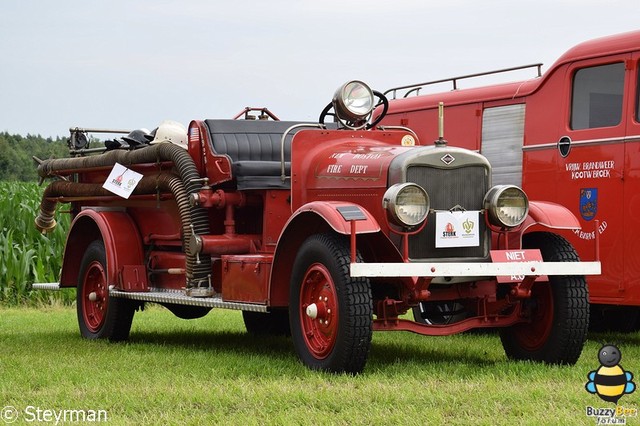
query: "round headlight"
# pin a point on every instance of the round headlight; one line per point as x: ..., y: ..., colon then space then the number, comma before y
x: 407, y: 204
x: 507, y: 206
x: 353, y: 101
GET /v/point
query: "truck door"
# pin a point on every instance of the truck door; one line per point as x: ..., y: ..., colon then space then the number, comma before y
x: 632, y: 185
x: 591, y: 165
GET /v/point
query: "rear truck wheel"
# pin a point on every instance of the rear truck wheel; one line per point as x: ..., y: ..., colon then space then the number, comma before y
x: 186, y: 311
x: 619, y: 319
x: 559, y: 310
x: 331, y: 313
x: 100, y: 316
x: 274, y: 323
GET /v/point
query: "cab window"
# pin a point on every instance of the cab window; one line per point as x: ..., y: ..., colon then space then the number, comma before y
x: 597, y: 96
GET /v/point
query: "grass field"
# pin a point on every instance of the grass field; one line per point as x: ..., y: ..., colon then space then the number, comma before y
x: 209, y: 371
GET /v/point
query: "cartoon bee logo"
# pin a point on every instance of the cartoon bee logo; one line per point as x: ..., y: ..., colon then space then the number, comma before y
x: 610, y: 381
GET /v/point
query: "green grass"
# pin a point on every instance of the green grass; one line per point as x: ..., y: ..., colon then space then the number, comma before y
x: 209, y: 371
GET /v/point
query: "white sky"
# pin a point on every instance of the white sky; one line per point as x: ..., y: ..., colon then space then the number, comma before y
x: 131, y: 64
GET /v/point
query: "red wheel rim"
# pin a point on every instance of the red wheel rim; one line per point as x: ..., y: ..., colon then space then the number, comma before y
x: 532, y: 336
x: 319, y: 333
x: 94, y: 296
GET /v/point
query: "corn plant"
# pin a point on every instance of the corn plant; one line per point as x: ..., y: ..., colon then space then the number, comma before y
x: 26, y: 256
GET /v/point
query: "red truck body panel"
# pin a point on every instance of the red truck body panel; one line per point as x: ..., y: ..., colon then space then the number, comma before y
x: 598, y: 180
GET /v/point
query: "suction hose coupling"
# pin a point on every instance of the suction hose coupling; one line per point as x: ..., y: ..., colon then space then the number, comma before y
x: 45, y: 222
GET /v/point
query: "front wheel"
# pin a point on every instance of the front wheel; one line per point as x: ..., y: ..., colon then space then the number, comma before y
x: 331, y: 313
x: 558, y: 310
x: 99, y: 315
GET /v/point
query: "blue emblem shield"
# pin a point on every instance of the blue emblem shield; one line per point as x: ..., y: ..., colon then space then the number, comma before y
x: 588, y: 203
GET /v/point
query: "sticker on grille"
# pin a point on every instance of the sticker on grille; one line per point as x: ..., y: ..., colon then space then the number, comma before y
x: 463, y: 186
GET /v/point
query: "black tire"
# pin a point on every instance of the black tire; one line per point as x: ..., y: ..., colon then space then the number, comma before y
x: 559, y: 310
x: 103, y: 317
x: 186, y: 311
x: 339, y: 338
x: 274, y: 323
x: 439, y: 313
x: 618, y: 319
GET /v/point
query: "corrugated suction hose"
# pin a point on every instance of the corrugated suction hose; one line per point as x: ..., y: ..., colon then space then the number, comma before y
x: 198, y: 270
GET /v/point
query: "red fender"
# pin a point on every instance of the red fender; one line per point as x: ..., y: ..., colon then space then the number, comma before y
x: 329, y: 211
x: 550, y: 215
x: 311, y: 218
x: 547, y: 215
x: 121, y: 240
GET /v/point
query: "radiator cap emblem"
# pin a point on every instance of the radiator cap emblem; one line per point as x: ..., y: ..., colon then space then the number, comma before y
x: 448, y: 159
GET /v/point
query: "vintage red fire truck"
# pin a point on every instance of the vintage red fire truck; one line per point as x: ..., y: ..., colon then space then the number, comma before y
x: 326, y: 232
x: 571, y: 136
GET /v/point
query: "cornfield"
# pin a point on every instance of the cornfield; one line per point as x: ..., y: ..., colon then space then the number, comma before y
x: 26, y: 256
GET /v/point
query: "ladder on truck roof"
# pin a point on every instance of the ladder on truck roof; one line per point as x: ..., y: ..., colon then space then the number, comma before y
x: 417, y: 87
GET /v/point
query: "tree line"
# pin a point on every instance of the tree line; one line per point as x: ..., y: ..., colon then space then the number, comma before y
x: 16, y: 152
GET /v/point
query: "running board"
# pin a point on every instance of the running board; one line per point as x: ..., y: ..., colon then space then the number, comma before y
x: 178, y: 297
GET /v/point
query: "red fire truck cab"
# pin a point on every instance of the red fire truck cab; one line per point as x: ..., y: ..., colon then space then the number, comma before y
x: 571, y: 136
x: 326, y: 232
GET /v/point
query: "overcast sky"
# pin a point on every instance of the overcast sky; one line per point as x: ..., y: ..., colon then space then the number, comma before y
x: 131, y: 64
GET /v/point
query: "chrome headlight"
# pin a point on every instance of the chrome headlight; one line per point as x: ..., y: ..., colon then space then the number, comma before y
x: 506, y: 205
x: 353, y: 101
x: 407, y: 204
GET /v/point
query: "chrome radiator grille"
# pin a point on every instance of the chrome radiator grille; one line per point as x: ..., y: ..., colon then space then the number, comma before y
x: 447, y: 188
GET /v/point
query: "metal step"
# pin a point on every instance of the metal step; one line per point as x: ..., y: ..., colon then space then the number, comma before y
x: 46, y: 286
x: 159, y: 295
x: 178, y: 297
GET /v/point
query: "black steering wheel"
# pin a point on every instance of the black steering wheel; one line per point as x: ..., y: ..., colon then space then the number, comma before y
x: 325, y: 113
x: 382, y: 100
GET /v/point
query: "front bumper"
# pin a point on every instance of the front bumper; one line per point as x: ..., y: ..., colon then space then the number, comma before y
x: 493, y: 269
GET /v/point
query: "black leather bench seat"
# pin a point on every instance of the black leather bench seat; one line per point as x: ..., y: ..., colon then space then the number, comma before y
x: 254, y: 149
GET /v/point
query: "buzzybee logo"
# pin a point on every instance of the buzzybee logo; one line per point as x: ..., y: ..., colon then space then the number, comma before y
x: 610, y: 382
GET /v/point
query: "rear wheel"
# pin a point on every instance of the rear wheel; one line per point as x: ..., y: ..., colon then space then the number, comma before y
x: 439, y: 313
x: 100, y: 316
x: 621, y: 319
x: 558, y: 310
x: 186, y: 311
x: 330, y: 312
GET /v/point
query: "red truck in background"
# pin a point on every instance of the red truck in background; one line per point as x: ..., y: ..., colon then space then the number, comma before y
x: 571, y: 136
x: 326, y: 232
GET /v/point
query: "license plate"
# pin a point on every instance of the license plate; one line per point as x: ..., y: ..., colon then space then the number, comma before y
x: 523, y: 256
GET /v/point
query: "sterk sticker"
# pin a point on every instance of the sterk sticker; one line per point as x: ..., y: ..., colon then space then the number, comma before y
x: 457, y: 229
x: 588, y: 203
x: 122, y: 181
